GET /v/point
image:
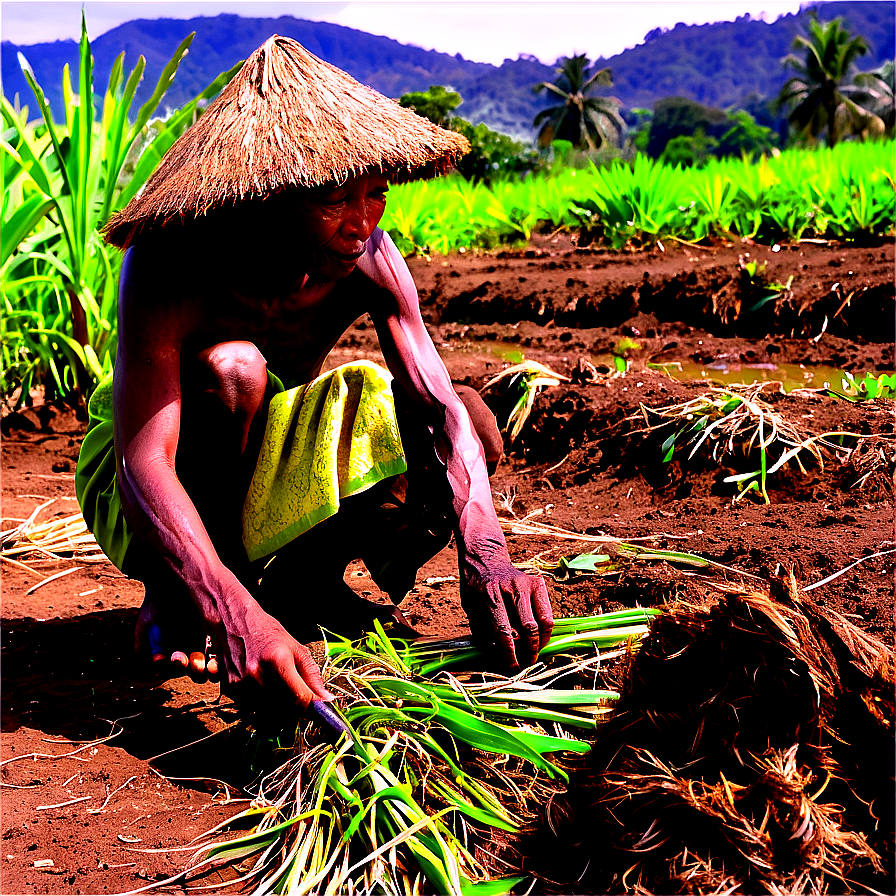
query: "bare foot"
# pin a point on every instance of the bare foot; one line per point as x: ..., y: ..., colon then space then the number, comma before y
x: 160, y: 627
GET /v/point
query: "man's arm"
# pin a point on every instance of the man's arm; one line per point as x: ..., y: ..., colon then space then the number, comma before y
x: 153, y: 324
x: 501, y: 602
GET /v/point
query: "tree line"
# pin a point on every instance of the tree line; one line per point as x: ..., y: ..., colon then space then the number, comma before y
x: 825, y: 99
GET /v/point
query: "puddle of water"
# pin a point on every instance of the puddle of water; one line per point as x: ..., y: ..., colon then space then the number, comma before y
x: 791, y: 376
x: 723, y: 373
x: 502, y: 351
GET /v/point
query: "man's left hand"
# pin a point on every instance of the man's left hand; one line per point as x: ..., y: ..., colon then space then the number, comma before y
x: 509, y: 609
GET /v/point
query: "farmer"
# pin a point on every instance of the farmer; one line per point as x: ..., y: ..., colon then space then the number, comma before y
x: 221, y: 468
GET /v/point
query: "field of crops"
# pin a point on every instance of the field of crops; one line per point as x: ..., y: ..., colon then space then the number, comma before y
x: 847, y: 193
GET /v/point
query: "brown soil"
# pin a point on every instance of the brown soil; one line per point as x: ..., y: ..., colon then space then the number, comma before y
x: 69, y: 673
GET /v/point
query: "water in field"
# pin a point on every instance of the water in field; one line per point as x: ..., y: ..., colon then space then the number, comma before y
x: 498, y: 349
x: 722, y: 373
x: 791, y: 376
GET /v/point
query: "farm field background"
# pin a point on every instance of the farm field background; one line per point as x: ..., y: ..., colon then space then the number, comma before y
x: 744, y: 298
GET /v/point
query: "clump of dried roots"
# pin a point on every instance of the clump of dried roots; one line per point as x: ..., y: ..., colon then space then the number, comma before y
x: 752, y: 753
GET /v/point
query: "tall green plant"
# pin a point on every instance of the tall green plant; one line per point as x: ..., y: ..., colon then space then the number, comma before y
x: 61, y: 182
x: 580, y: 117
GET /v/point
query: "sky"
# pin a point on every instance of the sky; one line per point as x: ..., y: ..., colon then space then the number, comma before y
x: 489, y: 31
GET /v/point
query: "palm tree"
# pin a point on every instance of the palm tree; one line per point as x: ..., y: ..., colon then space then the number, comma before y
x: 874, y: 92
x: 586, y: 121
x: 818, y: 93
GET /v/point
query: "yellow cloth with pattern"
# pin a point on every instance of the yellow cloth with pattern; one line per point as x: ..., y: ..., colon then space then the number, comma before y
x: 331, y: 438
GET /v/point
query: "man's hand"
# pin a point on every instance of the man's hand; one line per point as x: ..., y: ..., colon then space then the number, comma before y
x: 252, y: 646
x: 507, y: 608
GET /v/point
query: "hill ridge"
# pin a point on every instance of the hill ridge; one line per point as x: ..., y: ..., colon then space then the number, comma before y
x: 722, y: 64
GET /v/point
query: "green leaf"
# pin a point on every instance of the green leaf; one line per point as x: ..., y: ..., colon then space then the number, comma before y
x: 587, y: 562
x: 668, y: 447
x: 396, y: 794
x: 23, y: 220
x: 554, y: 697
x: 500, y: 886
x: 163, y: 83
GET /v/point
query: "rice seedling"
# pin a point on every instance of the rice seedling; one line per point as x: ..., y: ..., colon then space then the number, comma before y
x: 755, y: 287
x: 431, y: 766
x: 738, y: 422
x: 521, y: 385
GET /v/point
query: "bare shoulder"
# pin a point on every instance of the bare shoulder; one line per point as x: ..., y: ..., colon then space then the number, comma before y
x: 156, y: 299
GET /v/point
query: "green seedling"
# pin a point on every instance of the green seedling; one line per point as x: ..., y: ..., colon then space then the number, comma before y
x: 756, y: 288
x: 729, y: 423
x: 522, y: 383
x: 621, y: 351
x: 868, y: 388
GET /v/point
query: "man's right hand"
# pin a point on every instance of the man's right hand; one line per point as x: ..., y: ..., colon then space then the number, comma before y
x: 252, y: 646
x: 249, y: 649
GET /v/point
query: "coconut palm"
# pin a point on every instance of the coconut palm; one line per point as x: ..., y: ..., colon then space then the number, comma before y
x: 586, y: 121
x: 819, y: 95
x: 874, y: 92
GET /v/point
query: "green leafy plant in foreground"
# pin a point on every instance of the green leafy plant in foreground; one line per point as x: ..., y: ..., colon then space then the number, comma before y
x: 60, y: 182
x: 433, y: 763
x: 869, y: 387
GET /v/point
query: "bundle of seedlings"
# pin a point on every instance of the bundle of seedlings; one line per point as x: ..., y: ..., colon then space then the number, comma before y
x: 738, y: 426
x: 751, y: 752
x: 431, y: 768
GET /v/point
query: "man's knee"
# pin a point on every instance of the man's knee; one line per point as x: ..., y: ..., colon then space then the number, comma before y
x: 485, y: 425
x: 239, y: 373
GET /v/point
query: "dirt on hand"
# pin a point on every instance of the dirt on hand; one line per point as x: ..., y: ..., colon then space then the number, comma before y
x: 160, y: 760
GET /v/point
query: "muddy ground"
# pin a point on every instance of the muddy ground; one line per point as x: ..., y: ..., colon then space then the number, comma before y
x: 179, y: 755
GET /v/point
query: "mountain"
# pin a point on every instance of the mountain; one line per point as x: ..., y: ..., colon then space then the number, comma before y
x: 725, y: 64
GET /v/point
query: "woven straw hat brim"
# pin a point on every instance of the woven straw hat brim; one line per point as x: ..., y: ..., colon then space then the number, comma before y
x: 288, y: 119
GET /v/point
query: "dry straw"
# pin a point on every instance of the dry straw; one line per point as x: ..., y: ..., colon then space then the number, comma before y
x: 288, y: 119
x: 57, y: 539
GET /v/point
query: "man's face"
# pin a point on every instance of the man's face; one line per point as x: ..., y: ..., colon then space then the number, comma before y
x: 337, y: 220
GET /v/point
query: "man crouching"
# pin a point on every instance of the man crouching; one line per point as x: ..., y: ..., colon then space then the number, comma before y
x: 238, y: 501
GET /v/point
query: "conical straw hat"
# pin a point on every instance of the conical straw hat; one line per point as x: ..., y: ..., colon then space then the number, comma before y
x: 288, y: 119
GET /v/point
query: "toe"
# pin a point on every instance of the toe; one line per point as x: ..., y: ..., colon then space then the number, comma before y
x: 197, y: 663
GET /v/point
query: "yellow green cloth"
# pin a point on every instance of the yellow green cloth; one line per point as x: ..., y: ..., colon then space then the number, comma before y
x: 331, y: 438
x: 334, y: 437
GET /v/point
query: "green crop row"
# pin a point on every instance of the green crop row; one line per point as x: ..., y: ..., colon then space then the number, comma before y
x: 844, y: 193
